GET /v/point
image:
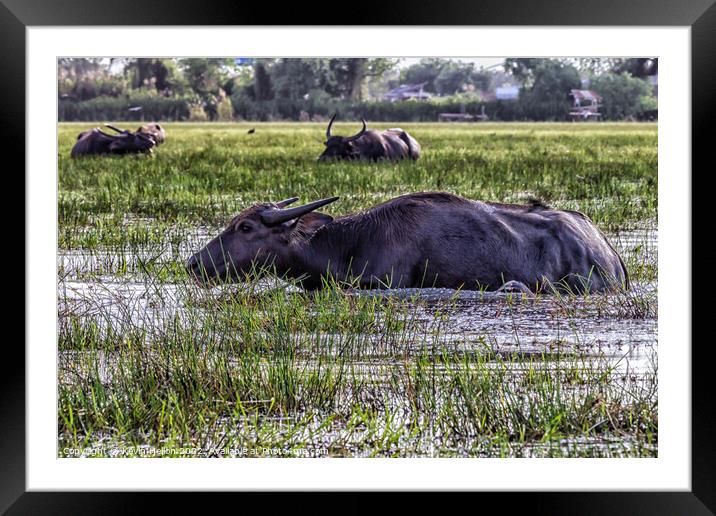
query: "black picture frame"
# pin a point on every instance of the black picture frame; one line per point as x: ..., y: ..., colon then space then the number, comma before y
x: 700, y: 15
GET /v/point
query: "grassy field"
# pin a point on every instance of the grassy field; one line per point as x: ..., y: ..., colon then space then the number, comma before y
x: 151, y: 365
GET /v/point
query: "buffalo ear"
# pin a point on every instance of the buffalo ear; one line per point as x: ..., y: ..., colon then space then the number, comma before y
x: 313, y: 221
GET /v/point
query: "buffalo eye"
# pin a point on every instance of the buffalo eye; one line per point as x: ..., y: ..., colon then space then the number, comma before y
x: 244, y: 228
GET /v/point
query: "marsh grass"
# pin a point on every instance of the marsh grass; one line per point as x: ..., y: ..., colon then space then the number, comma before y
x: 206, y: 173
x: 151, y: 365
x: 256, y: 368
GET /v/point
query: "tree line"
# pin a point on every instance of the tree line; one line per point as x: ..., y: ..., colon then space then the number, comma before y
x: 213, y: 89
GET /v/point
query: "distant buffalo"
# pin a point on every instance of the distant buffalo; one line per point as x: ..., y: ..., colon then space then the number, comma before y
x: 391, y: 144
x: 95, y: 142
x: 416, y: 240
x: 154, y: 130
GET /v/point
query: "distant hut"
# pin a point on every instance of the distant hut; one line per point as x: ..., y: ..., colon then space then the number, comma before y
x: 586, y: 105
x: 408, y: 92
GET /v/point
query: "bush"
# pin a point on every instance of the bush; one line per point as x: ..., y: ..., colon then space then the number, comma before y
x: 322, y: 104
x: 154, y: 107
x: 197, y: 113
x: 625, y: 97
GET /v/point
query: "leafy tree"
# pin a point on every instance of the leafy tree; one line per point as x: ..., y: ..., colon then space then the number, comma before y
x: 624, y: 96
x: 523, y: 68
x: 87, y: 78
x: 243, y: 78
x: 482, y: 79
x: 637, y: 67
x: 351, y: 74
x: 453, y: 78
x: 206, y: 76
x: 149, y: 73
x: 294, y: 78
x: 547, y: 98
x: 446, y: 77
x: 175, y: 82
x: 162, y: 75
x: 427, y: 70
x: 262, y: 80
x: 591, y: 65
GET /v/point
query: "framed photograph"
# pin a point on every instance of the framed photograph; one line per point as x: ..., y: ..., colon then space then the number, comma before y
x: 442, y: 253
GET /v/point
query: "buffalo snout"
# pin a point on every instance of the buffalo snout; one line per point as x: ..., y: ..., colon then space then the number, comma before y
x: 193, y: 266
x: 196, y: 270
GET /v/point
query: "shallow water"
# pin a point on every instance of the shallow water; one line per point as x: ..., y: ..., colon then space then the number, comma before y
x: 616, y: 334
x: 509, y: 321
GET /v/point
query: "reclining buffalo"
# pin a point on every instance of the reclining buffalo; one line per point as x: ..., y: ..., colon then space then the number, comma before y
x: 416, y: 240
x: 96, y: 142
x: 391, y: 144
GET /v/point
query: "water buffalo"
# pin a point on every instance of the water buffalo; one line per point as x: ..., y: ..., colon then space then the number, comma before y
x: 392, y: 144
x: 95, y: 142
x: 155, y: 131
x: 416, y: 240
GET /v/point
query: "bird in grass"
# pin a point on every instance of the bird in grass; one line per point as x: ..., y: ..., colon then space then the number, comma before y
x: 251, y: 131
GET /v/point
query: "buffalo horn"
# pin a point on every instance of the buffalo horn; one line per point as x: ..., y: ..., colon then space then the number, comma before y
x: 355, y: 137
x: 114, y: 128
x: 286, y: 202
x: 272, y: 217
x: 328, y: 131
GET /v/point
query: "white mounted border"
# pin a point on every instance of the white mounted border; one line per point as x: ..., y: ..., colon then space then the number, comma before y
x: 670, y: 471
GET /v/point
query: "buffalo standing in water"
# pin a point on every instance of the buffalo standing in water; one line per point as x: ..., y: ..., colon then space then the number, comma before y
x: 95, y: 142
x: 392, y: 144
x: 416, y: 240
